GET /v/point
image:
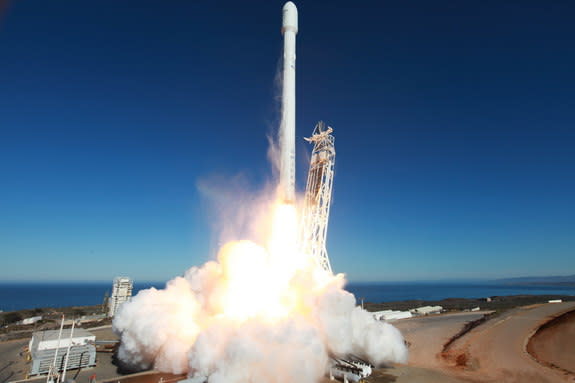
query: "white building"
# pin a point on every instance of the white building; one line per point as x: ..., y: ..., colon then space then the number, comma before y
x: 121, y: 292
x: 47, y: 340
x: 391, y: 315
x: 427, y: 310
x: 45, y: 345
x: 30, y: 320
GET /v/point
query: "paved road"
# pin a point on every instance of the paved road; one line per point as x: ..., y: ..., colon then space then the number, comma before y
x: 495, y: 351
x: 12, y: 362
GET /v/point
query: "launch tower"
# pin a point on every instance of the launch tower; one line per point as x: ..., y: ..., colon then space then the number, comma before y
x: 121, y: 292
x: 320, y: 176
x: 318, y: 194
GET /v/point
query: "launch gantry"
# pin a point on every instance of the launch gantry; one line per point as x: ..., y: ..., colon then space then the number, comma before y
x: 318, y: 194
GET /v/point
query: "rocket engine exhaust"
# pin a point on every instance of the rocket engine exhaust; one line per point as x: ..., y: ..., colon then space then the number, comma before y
x: 287, y: 127
x: 263, y: 310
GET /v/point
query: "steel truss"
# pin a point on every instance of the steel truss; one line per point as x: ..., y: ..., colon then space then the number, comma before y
x: 318, y: 194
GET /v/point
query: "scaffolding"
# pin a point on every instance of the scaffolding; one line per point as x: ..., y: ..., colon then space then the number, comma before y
x: 318, y: 195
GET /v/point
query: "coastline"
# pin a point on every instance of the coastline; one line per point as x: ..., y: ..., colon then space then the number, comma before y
x: 19, y: 296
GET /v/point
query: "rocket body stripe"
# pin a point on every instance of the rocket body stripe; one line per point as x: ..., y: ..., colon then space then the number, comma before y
x: 287, y: 127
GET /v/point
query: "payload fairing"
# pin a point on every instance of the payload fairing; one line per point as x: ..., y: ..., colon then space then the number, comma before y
x: 287, y: 127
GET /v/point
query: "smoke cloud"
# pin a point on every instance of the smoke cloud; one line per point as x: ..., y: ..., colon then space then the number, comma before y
x: 257, y: 313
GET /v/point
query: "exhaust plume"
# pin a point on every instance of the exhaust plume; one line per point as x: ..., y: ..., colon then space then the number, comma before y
x: 263, y: 311
x: 257, y: 312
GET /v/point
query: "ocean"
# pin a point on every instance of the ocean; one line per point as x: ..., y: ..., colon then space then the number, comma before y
x: 18, y: 296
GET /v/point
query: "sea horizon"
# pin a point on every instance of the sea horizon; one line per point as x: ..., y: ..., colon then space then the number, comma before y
x: 488, y: 280
x: 29, y: 295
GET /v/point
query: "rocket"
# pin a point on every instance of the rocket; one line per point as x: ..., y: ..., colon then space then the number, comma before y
x: 287, y: 127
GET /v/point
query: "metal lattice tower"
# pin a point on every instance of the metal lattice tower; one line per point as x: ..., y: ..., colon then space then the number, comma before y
x: 318, y: 194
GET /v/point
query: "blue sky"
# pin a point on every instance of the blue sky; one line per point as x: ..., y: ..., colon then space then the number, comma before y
x: 454, y: 125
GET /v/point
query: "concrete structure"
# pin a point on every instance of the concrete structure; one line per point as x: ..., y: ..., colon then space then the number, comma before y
x: 121, y: 292
x: 47, y: 340
x: 391, y: 315
x: 90, y: 318
x: 30, y: 320
x: 427, y: 310
x: 287, y: 127
x: 78, y: 349
x: 318, y: 195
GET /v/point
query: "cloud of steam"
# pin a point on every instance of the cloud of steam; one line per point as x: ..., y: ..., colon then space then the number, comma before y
x: 236, y: 211
x: 258, y: 313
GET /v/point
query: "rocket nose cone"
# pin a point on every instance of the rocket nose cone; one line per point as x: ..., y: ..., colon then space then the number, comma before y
x: 289, y: 17
x: 289, y: 5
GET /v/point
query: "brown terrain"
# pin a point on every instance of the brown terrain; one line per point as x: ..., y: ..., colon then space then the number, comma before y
x: 463, y: 347
x: 485, y: 346
x: 554, y: 343
x: 496, y: 351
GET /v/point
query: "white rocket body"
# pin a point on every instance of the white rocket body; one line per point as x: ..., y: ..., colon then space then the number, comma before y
x: 287, y: 127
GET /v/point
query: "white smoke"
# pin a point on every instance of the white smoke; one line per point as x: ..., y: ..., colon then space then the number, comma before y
x: 259, y: 313
x: 220, y: 323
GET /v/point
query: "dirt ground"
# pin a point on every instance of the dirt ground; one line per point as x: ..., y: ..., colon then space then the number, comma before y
x: 554, y: 343
x: 427, y: 335
x: 495, y: 351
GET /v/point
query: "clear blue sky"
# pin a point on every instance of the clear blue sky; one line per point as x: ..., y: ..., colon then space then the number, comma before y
x: 454, y: 124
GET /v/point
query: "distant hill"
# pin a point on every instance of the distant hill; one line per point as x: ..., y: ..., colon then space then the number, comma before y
x: 563, y: 280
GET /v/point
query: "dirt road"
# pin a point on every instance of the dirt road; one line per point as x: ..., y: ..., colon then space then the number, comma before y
x: 496, y: 350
